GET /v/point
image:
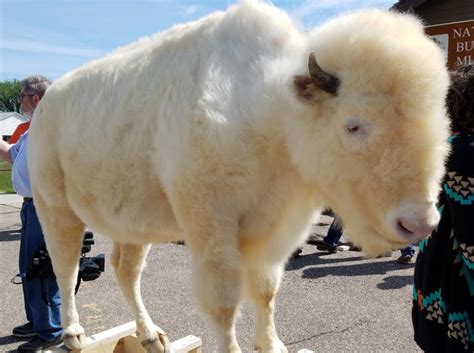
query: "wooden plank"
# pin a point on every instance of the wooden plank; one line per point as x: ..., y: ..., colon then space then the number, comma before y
x: 129, y: 344
x: 111, y: 335
x: 188, y: 344
x: 104, y: 338
x: 123, y: 339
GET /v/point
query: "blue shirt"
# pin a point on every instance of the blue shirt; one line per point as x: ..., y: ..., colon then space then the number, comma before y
x: 20, y: 175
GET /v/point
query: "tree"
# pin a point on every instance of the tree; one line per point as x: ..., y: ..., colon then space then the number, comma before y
x: 9, y: 96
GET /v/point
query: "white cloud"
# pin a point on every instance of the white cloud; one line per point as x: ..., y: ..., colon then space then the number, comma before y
x: 193, y: 11
x: 33, y: 46
x: 189, y: 11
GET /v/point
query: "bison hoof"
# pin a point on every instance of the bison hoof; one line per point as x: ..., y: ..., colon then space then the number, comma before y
x: 73, y: 337
x: 231, y: 348
x: 275, y: 347
x: 157, y: 344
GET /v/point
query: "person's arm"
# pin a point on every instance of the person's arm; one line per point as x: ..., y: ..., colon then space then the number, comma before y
x: 4, y: 148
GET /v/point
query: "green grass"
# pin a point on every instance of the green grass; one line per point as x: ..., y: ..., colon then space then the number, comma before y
x: 5, y: 177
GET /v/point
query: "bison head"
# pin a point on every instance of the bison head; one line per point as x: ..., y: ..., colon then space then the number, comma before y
x: 373, y: 138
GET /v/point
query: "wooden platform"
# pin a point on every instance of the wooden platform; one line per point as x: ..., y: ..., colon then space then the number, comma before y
x: 122, y: 339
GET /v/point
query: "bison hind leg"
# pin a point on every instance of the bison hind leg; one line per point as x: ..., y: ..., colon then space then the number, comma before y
x: 63, y: 232
x: 128, y: 261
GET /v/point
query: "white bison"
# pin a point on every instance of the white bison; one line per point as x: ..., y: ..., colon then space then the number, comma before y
x: 217, y: 132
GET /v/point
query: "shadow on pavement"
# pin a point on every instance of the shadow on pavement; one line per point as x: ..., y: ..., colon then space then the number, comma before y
x: 395, y: 282
x: 10, y: 235
x: 315, y: 266
x: 361, y: 269
x: 317, y: 258
x: 9, y: 340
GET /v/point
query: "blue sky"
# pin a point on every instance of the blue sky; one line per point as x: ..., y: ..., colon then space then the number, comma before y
x: 52, y: 37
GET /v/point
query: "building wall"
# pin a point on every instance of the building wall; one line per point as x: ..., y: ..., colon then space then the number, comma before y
x: 446, y: 11
x: 8, y: 123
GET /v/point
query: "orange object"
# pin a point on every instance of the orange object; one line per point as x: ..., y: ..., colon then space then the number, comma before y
x: 20, y: 130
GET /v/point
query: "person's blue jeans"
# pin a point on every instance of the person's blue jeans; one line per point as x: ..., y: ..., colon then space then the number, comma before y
x: 409, y: 250
x: 335, y: 231
x: 41, y: 295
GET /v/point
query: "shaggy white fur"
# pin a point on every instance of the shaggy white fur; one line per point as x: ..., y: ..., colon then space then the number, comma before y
x: 214, y: 132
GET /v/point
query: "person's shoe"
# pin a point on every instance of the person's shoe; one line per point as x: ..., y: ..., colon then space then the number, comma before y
x: 24, y: 331
x: 405, y: 259
x: 327, y: 247
x: 37, y: 344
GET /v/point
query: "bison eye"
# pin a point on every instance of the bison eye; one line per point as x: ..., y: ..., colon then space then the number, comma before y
x: 352, y: 128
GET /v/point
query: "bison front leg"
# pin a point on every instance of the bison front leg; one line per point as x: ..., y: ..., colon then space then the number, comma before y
x: 217, y: 280
x: 262, y: 283
x: 63, y: 232
x: 128, y: 261
x: 217, y: 286
x: 210, y: 229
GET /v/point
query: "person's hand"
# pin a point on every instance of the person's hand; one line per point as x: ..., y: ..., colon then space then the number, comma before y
x: 4, y: 148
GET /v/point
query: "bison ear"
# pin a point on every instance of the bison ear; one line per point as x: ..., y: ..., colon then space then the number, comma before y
x: 306, y: 89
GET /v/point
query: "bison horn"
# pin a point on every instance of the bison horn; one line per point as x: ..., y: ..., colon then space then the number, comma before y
x: 322, y: 79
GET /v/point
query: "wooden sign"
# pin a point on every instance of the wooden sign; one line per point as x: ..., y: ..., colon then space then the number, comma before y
x: 457, y: 41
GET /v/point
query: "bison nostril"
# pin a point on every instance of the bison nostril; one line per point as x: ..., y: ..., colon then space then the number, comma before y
x: 413, y: 229
x: 404, y: 228
x: 415, y: 222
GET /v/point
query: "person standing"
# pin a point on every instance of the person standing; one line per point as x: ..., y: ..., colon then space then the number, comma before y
x: 331, y: 243
x: 443, y: 291
x: 41, y: 295
x: 334, y: 234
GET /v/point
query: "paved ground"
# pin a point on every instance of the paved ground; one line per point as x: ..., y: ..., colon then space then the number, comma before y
x: 327, y: 303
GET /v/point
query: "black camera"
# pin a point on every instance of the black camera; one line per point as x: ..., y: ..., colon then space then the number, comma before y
x: 90, y: 268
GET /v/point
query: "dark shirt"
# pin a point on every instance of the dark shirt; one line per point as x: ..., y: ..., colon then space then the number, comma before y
x: 443, y: 292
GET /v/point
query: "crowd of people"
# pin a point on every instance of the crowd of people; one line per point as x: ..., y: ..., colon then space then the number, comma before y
x: 443, y: 292
x: 332, y: 242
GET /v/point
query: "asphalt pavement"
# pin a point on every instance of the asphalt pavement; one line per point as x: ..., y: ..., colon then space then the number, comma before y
x: 338, y: 302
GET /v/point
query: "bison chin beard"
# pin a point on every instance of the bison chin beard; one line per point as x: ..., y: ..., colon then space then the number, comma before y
x: 374, y: 245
